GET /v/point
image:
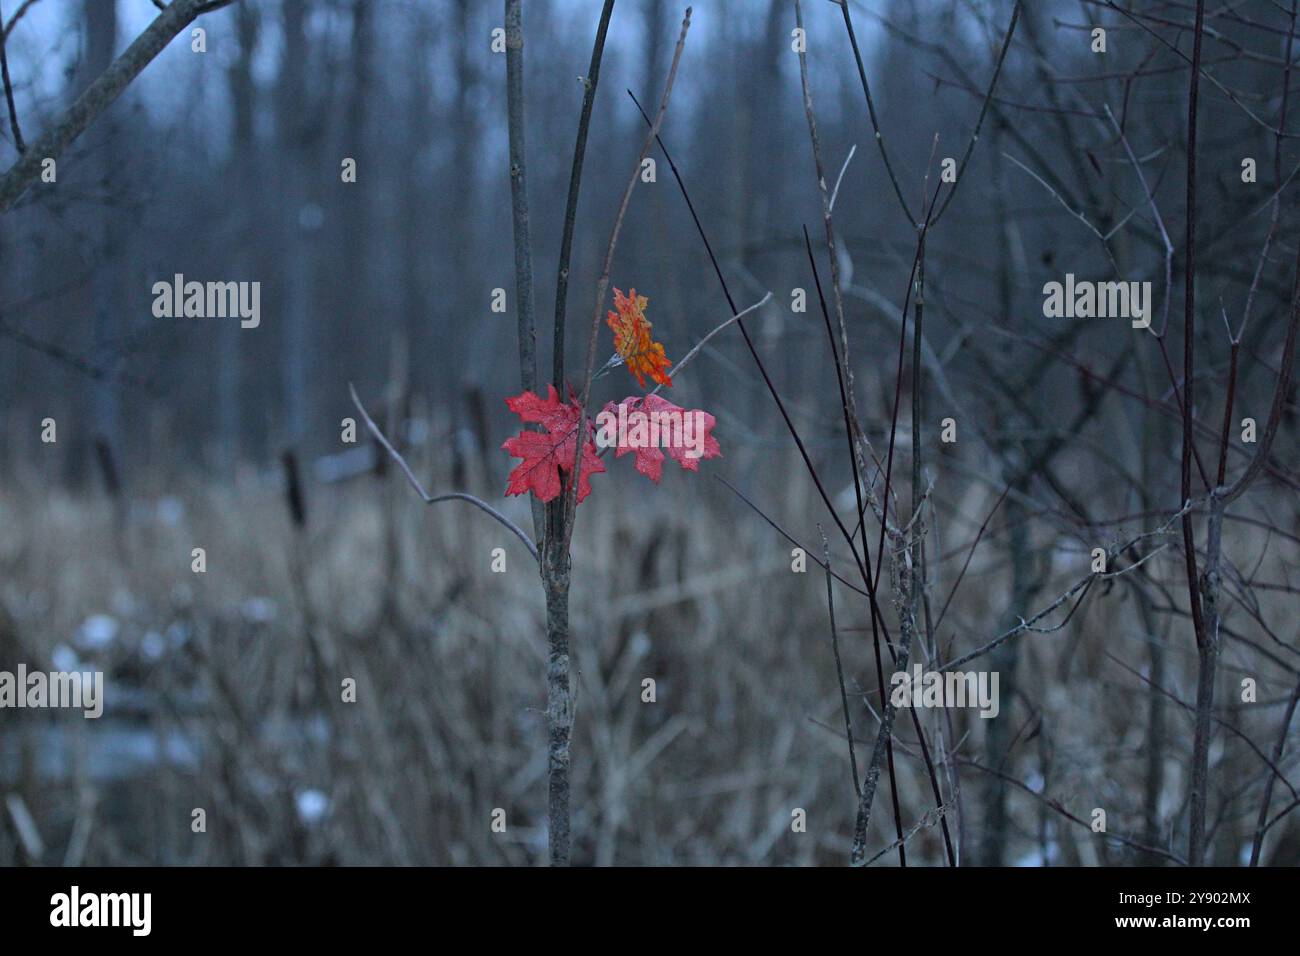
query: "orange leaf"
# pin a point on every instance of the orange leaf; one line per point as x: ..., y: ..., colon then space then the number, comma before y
x: 642, y: 355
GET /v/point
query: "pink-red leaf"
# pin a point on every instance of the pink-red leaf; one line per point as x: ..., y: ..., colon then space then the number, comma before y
x: 652, y: 427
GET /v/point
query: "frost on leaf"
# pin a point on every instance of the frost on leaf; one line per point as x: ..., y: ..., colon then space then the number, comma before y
x: 548, y: 454
x: 642, y: 355
x: 652, y: 427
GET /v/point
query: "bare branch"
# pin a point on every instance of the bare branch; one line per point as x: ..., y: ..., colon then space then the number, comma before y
x: 419, y: 488
x: 839, y: 666
x: 98, y: 97
x: 523, y: 244
x: 695, y: 349
x: 9, y: 91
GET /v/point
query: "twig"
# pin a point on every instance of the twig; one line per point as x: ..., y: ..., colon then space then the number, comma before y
x: 928, y: 819
x: 1206, y: 644
x: 788, y: 537
x: 695, y: 350
x: 602, y: 284
x: 979, y: 123
x: 903, y: 606
x: 9, y: 90
x: 1155, y: 214
x: 8, y: 28
x: 970, y: 554
x: 839, y: 666
x: 419, y: 488
x: 1029, y: 624
x: 871, y: 109
x: 1103, y: 238
x: 1055, y: 805
x: 523, y: 245
x: 1271, y: 764
x: 1259, y: 460
x: 575, y: 183
x: 840, y: 178
x: 92, y: 371
x: 1195, y: 62
x: 847, y: 387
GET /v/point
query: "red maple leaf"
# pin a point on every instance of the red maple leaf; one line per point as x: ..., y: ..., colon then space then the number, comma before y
x: 651, y: 426
x: 548, y: 455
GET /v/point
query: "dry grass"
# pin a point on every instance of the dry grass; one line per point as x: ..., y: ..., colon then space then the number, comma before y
x: 224, y: 688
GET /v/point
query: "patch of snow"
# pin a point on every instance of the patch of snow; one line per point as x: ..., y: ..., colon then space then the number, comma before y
x: 96, y: 632
x: 169, y: 511
x: 1035, y: 856
x: 123, y: 603
x: 259, y: 610
x: 153, y: 645
x: 312, y: 806
x: 178, y: 633
x: 65, y: 658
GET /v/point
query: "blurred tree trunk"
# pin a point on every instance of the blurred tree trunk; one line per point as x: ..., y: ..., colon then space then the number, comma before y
x: 464, y: 296
x: 354, y: 274
x: 1003, y: 660
x: 418, y: 239
x: 245, y: 163
x: 294, y: 119
x: 100, y: 41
